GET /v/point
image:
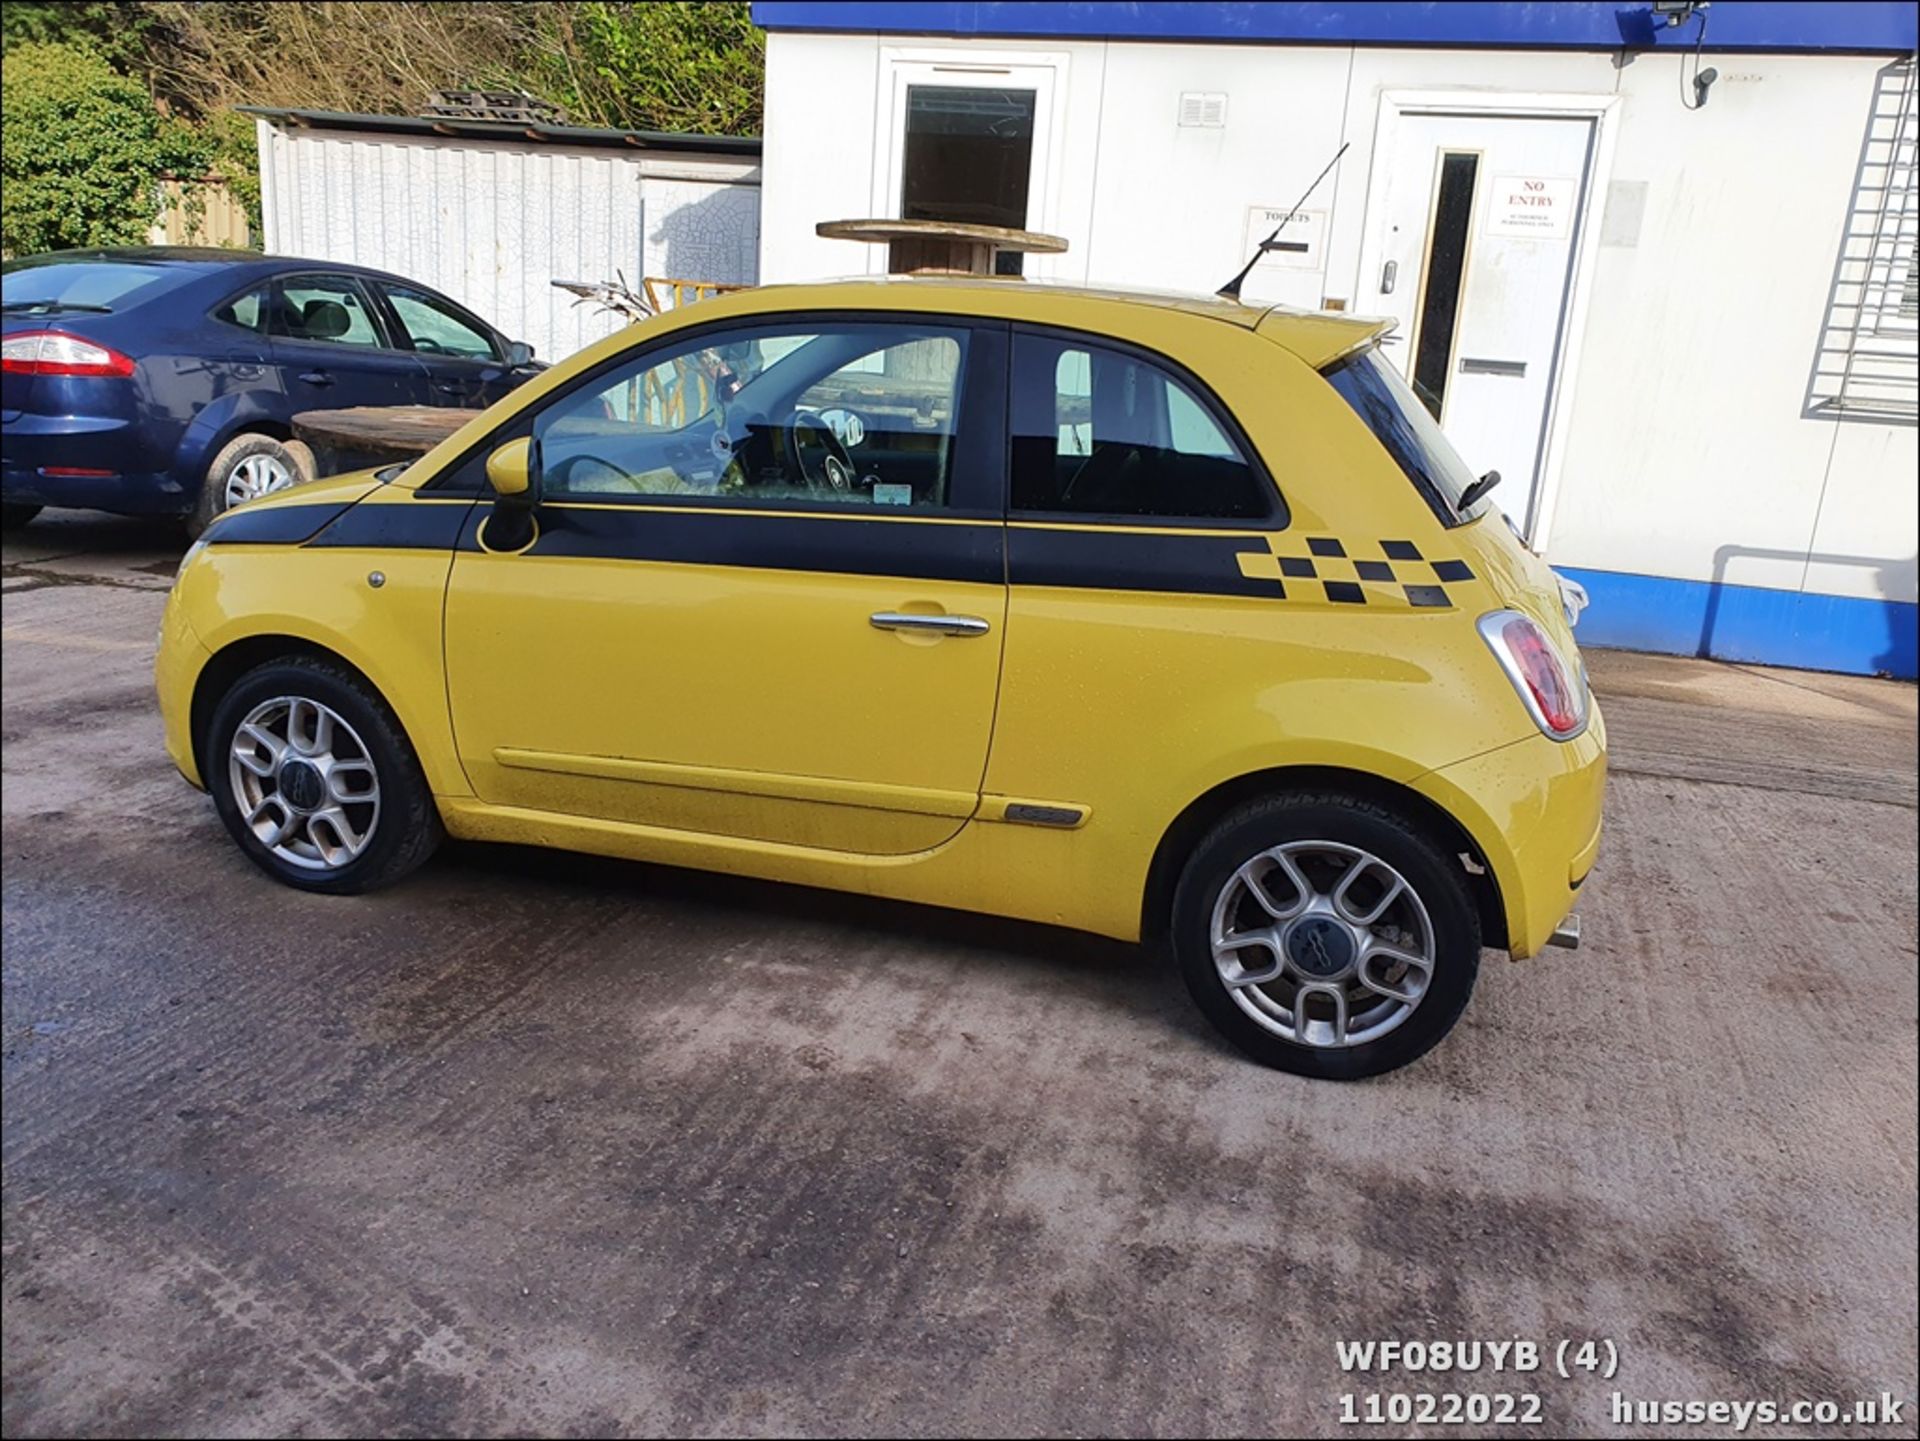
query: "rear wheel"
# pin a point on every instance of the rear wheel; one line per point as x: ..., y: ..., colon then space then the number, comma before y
x: 248, y: 466
x: 315, y: 780
x: 12, y: 517
x: 1326, y: 935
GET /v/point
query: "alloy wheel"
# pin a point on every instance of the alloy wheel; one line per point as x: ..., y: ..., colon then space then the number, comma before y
x: 255, y: 476
x: 1323, y: 944
x: 304, y: 783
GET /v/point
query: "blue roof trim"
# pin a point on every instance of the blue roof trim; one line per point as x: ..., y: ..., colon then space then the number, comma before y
x: 1857, y: 25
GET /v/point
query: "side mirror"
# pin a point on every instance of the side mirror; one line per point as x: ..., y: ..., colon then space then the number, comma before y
x: 510, y: 471
x: 519, y: 354
x: 513, y: 471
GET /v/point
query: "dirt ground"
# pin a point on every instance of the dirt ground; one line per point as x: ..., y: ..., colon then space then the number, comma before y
x: 541, y: 1143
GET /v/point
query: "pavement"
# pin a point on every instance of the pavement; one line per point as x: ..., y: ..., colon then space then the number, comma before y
x: 540, y: 1143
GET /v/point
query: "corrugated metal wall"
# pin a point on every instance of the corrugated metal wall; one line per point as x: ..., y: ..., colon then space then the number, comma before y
x: 491, y: 226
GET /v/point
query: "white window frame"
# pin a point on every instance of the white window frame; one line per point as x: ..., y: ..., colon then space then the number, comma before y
x: 1043, y: 72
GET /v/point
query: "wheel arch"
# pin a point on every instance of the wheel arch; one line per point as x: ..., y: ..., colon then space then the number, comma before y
x: 1201, y: 814
x: 226, y: 665
x: 218, y: 426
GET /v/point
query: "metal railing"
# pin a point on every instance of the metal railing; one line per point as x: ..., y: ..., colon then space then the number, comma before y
x: 1866, y: 365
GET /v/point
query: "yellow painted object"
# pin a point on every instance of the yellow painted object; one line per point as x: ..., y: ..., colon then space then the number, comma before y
x: 706, y: 688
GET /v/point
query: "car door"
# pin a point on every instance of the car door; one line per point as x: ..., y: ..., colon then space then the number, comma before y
x: 332, y: 348
x: 465, y: 360
x: 732, y: 622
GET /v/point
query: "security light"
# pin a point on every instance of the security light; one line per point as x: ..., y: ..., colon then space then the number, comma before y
x: 1677, y: 12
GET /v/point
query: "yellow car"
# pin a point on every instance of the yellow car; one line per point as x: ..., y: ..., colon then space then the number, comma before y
x: 1165, y: 619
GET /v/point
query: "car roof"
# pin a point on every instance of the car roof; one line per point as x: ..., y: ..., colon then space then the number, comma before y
x: 1319, y: 338
x: 196, y: 257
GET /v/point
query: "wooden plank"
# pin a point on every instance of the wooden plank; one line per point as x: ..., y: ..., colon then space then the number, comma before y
x: 410, y: 429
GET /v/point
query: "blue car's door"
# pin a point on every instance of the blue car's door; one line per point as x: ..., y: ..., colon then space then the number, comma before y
x: 465, y: 360
x: 331, y: 345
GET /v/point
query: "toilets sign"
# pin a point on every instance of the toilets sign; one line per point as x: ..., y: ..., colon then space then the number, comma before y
x: 1531, y: 207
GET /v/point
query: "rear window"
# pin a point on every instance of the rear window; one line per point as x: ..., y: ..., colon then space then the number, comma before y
x: 1099, y: 431
x: 1387, y: 405
x: 95, y: 284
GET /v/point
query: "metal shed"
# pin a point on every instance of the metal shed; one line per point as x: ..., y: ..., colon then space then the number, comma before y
x: 491, y: 213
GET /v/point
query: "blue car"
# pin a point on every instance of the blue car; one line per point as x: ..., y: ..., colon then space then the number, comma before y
x: 164, y: 381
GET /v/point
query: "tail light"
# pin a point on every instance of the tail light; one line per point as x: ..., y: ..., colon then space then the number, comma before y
x: 53, y: 352
x: 1554, y: 694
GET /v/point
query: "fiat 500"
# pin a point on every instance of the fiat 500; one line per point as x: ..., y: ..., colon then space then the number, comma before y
x: 1174, y: 621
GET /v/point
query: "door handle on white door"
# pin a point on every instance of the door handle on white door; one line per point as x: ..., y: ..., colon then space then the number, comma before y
x: 1471, y: 365
x: 1387, y: 273
x: 928, y: 624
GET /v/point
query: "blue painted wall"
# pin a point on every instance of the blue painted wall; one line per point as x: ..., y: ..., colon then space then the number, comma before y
x: 1856, y: 25
x: 1750, y: 623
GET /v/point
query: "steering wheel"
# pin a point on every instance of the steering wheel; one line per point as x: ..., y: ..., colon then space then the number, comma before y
x: 836, y: 471
x: 588, y: 474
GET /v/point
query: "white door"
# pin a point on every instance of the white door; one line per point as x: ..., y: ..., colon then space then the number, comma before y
x: 971, y: 141
x: 1472, y: 251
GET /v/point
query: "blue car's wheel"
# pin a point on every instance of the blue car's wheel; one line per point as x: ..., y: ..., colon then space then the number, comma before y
x: 247, y: 467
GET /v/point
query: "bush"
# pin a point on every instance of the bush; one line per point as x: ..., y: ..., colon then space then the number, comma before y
x: 85, y: 150
x: 233, y: 154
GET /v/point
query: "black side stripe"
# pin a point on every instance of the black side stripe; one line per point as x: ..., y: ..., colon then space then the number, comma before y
x: 273, y: 525
x: 837, y: 544
x: 1134, y: 560
x: 423, y: 525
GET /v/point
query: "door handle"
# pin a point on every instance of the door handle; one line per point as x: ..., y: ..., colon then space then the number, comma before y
x: 316, y: 377
x: 1470, y: 366
x: 449, y: 387
x: 929, y: 624
x: 1387, y: 273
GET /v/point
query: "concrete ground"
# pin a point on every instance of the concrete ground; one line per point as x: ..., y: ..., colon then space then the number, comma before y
x: 541, y: 1143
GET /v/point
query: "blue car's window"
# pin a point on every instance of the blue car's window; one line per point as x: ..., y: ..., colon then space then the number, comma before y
x: 248, y: 311
x: 86, y: 284
x: 435, y: 328
x: 315, y: 308
x: 1369, y: 383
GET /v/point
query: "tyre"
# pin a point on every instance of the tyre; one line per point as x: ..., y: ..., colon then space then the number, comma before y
x: 1326, y: 935
x: 247, y: 466
x: 12, y: 517
x: 315, y: 780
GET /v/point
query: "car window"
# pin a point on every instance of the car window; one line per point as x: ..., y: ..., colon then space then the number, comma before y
x: 248, y: 311
x: 1098, y: 431
x: 317, y: 308
x: 1387, y: 404
x: 436, y: 327
x: 857, y: 414
x: 49, y: 283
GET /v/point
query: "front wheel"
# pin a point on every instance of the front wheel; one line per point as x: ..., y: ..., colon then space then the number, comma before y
x: 315, y: 780
x: 1326, y: 935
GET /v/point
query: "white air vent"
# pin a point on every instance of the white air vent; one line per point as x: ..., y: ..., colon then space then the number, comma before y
x: 1206, y: 108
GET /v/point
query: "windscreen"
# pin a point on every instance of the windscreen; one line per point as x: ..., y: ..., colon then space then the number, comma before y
x: 1386, y: 403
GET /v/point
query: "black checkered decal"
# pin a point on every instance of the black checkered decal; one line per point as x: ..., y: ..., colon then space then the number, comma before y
x: 1402, y: 576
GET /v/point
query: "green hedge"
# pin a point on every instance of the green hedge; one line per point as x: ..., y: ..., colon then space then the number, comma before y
x: 85, y: 150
